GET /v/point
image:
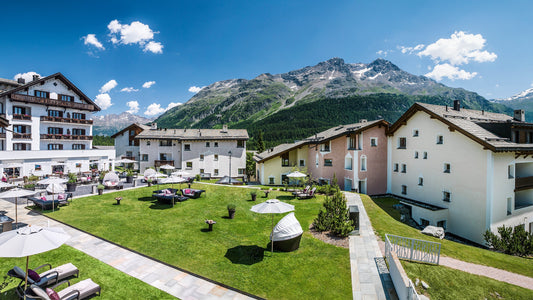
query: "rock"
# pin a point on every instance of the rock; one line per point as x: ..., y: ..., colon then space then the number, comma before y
x: 434, y: 231
x: 425, y: 285
x: 417, y: 282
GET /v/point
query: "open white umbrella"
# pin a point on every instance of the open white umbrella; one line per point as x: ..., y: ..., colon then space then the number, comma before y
x: 31, y: 240
x: 272, y: 206
x: 172, y: 180
x: 15, y: 193
x: 296, y: 174
x: 51, y: 181
x: 5, y: 185
x: 55, y: 188
x: 181, y: 173
x: 166, y: 167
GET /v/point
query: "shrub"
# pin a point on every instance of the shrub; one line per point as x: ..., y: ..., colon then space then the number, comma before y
x: 232, y: 206
x: 72, y: 178
x: 253, y: 193
x: 102, y: 175
x: 335, y: 216
x: 511, y: 241
x: 129, y: 172
x: 33, y: 178
x: 197, y: 177
x: 100, y: 187
x: 29, y: 186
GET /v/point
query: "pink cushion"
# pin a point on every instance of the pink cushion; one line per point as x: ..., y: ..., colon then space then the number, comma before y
x: 61, y: 197
x: 187, y: 191
x: 43, y: 198
x: 167, y: 192
x: 33, y: 275
x: 52, y: 294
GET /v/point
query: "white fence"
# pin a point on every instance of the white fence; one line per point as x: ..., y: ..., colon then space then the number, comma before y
x: 413, y: 249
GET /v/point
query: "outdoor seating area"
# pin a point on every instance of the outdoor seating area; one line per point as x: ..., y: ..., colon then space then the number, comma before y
x: 112, y: 181
x: 307, y: 195
x: 192, y: 193
x: 46, y: 278
x: 51, y: 201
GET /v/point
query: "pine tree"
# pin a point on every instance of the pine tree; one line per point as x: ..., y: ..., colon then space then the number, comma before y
x: 259, y: 142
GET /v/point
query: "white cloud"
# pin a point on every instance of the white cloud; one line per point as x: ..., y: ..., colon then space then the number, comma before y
x: 460, y: 48
x: 103, y: 100
x: 91, y: 39
x: 446, y: 70
x: 154, y: 47
x: 129, y: 89
x: 134, y: 107
x: 383, y: 52
x: 410, y: 50
x: 148, y: 84
x: 156, y: 109
x: 111, y: 84
x: 195, y: 89
x: 28, y: 76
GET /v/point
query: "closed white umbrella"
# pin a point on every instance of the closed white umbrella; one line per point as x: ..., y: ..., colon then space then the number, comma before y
x: 272, y: 206
x: 15, y: 193
x: 31, y: 240
x: 53, y: 181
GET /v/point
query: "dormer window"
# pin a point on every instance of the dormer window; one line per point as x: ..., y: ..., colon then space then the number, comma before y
x: 325, y: 147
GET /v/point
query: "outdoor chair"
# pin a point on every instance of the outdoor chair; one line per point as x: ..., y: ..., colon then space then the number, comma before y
x: 170, y: 191
x: 169, y: 198
x: 109, y: 184
x: 305, y: 191
x: 309, y: 195
x: 192, y: 193
x: 46, y: 202
x: 46, y: 278
x: 80, y: 290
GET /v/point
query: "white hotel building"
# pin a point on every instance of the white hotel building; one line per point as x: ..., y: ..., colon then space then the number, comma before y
x: 50, y: 127
x: 461, y: 169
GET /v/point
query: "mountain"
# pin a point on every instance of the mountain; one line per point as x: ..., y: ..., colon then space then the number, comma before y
x: 112, y: 123
x: 379, y: 88
x: 522, y: 100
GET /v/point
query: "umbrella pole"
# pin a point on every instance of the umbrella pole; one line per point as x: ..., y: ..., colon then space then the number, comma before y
x: 16, y: 213
x: 26, y: 278
x: 271, y: 238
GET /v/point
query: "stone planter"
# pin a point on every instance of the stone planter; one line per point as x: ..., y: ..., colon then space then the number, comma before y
x: 100, y: 192
x: 129, y: 179
x: 231, y: 214
x: 71, y: 187
x: 254, y: 196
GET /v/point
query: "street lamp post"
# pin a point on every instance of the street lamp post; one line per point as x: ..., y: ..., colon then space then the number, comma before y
x: 229, y: 166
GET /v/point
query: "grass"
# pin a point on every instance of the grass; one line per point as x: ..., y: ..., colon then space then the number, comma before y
x: 234, y: 253
x: 114, y: 283
x: 447, y: 283
x: 385, y: 219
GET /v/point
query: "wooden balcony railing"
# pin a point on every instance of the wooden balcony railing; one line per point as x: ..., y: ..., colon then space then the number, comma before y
x: 65, y: 120
x: 523, y: 183
x: 159, y: 163
x: 52, y: 102
x: 66, y: 137
x: 21, y: 135
x: 21, y: 117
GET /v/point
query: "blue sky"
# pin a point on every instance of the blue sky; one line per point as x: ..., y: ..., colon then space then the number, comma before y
x: 484, y: 46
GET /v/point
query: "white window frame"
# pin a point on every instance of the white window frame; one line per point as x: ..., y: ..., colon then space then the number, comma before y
x: 373, y: 142
x: 364, y: 163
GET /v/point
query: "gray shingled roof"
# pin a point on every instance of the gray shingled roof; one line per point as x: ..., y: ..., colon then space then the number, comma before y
x: 194, y: 134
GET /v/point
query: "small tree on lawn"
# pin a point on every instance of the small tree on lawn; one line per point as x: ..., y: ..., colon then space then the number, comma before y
x: 335, y: 216
x: 510, y: 241
x: 250, y: 165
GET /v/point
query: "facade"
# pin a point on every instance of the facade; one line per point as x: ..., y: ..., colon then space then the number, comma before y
x: 50, y: 127
x: 126, y: 146
x: 464, y: 170
x: 355, y: 154
x: 198, y: 151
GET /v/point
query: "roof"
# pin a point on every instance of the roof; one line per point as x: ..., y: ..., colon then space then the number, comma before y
x: 59, y: 76
x: 194, y: 134
x: 131, y: 126
x: 321, y: 137
x: 468, y: 122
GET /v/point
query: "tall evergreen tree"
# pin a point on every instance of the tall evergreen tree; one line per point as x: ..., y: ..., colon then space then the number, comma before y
x: 259, y: 142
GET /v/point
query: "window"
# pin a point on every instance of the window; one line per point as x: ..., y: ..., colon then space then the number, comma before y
x: 396, y: 167
x: 189, y: 165
x: 207, y: 145
x: 373, y: 142
x: 187, y: 147
x: 404, y: 190
x: 442, y: 224
x: 55, y: 146
x: 302, y: 163
x: 351, y: 141
x: 447, y: 168
x: 328, y: 162
x: 271, y: 180
x: 202, y: 171
x: 148, y: 143
x: 240, y: 144
x: 165, y: 143
x: 201, y: 159
x: 510, y: 171
x: 325, y: 147
x: 42, y: 94
x: 402, y: 143
x: 216, y: 157
x: 424, y: 222
x: 415, y: 132
x: 241, y: 171
x: 132, y: 143
x: 18, y: 110
x: 348, y: 163
x: 416, y: 154
x: 78, y: 146
x: 440, y: 139
x: 285, y: 160
x: 216, y: 172
x: 79, y: 116
x: 55, y: 130
x: 20, y: 129
x: 404, y: 168
x: 21, y: 147
x: 132, y: 132
x: 363, y: 163
x: 77, y: 131
x: 425, y: 155
x: 144, y: 157
x: 216, y: 144
x: 420, y: 181
x: 66, y: 98
x: 55, y: 113
x: 509, y: 206
x: 446, y: 196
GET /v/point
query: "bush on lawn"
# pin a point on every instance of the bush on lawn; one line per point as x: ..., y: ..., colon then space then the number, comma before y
x: 511, y: 241
x: 335, y: 216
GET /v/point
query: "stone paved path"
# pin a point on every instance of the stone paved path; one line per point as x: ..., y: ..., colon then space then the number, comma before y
x: 494, y: 273
x: 175, y: 282
x: 370, y: 276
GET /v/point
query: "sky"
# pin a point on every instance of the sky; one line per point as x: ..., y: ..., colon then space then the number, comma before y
x: 146, y: 57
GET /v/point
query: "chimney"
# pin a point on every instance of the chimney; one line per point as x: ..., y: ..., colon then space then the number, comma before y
x: 224, y: 128
x: 457, y: 105
x: 519, y: 115
x: 35, y: 77
x: 153, y: 126
x: 21, y: 80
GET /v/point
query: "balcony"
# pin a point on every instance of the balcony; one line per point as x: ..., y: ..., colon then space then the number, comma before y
x: 21, y: 135
x: 66, y: 137
x: 2, y: 135
x: 159, y: 163
x: 21, y: 117
x: 65, y: 120
x: 523, y: 183
x: 51, y: 102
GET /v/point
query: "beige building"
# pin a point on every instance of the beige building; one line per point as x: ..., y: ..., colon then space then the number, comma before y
x: 464, y: 170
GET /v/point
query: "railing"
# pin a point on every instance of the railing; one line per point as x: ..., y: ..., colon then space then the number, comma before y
x: 413, y: 249
x: 523, y: 183
x: 52, y: 102
x: 159, y: 163
x: 404, y: 287
x: 21, y: 117
x: 66, y: 137
x: 65, y: 120
x: 21, y: 135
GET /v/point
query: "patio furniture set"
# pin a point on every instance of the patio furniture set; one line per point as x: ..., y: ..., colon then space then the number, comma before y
x: 50, y: 201
x: 307, y: 193
x: 169, y: 195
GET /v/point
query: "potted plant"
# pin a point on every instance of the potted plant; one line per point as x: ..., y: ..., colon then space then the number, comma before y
x: 254, y: 195
x: 129, y: 176
x: 100, y: 188
x: 102, y: 175
x: 71, y: 183
x: 231, y: 210
x: 149, y: 181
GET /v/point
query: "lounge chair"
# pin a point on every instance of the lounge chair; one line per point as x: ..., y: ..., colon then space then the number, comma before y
x: 46, y: 278
x: 309, y: 195
x: 80, y: 290
x: 305, y: 191
x: 110, y: 184
x: 192, y: 193
x: 169, y: 196
x: 172, y: 191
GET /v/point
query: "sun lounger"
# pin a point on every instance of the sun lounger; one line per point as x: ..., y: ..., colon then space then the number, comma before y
x: 80, y: 290
x: 169, y: 197
x: 170, y: 191
x: 192, y: 193
x: 305, y: 191
x: 46, y: 202
x: 309, y: 195
x: 46, y: 278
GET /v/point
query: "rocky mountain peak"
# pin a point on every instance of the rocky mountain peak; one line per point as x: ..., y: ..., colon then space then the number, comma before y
x: 381, y: 65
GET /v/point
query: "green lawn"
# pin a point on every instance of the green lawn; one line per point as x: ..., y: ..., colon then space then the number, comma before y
x: 114, y: 283
x: 235, y: 253
x: 385, y: 219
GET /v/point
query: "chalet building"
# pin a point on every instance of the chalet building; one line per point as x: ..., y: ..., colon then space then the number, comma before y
x: 214, y: 152
x: 50, y: 127
x: 355, y: 154
x: 126, y: 146
x: 461, y: 169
